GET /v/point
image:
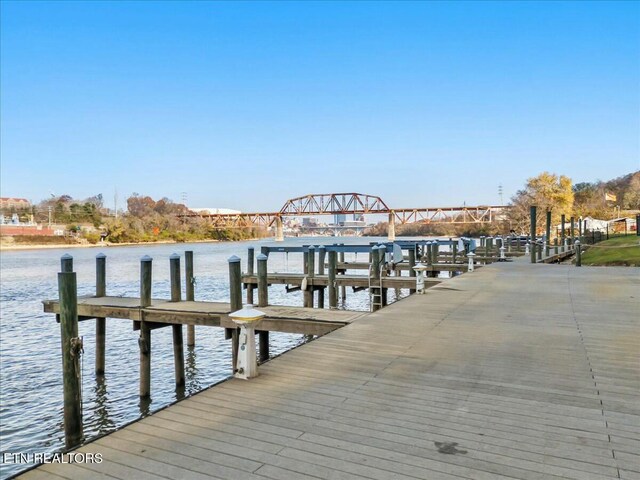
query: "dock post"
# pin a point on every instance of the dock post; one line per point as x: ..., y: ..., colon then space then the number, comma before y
x: 71, y: 351
x: 322, y: 253
x: 343, y: 289
x: 578, y: 246
x: 555, y: 246
x: 470, y: 256
x: 391, y: 229
x: 263, y: 339
x: 176, y: 296
x: 548, y: 233
x: 374, y: 281
x: 532, y: 234
x: 572, y: 232
x: 412, y: 263
x: 190, y: 281
x: 454, y: 252
x: 487, y: 249
x: 333, y: 292
x: 311, y: 264
x: 101, y: 323
x: 382, y: 250
x: 263, y: 288
x: 235, y: 296
x: 562, y: 227
x: 144, y: 341
x: 250, y: 263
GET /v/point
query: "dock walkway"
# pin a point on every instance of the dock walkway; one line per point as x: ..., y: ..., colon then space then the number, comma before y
x: 518, y: 370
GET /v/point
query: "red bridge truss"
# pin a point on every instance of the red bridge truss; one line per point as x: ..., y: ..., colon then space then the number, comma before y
x: 354, y: 203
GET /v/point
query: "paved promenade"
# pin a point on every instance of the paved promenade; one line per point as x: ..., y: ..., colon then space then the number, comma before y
x: 513, y: 371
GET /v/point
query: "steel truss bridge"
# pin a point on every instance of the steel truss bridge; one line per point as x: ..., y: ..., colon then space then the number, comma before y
x: 354, y: 203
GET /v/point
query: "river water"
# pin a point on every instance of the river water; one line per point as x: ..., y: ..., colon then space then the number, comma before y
x: 30, y: 363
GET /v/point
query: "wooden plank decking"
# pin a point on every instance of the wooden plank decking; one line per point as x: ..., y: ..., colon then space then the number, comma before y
x: 307, y: 321
x: 515, y: 371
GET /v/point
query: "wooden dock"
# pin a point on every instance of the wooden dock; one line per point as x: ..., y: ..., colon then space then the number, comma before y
x: 518, y: 370
x: 306, y: 321
x: 357, y: 281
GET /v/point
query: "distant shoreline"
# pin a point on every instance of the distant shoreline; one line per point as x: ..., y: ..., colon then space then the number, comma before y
x: 13, y: 247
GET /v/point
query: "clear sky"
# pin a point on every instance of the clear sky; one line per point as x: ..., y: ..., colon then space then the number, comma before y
x: 244, y: 105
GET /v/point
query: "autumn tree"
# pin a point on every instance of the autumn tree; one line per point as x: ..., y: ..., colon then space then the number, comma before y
x: 547, y: 191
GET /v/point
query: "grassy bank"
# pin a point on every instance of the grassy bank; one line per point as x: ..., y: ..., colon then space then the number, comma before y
x: 615, y: 251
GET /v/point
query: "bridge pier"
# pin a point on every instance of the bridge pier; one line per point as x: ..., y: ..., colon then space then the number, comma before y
x: 391, y: 230
x: 279, y: 230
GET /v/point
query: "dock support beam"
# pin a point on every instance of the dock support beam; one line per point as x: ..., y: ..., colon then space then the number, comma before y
x: 532, y: 234
x: 189, y: 286
x: 235, y: 295
x: 101, y: 327
x: 343, y: 289
x: 412, y: 263
x: 562, y: 232
x: 176, y: 296
x: 71, y: 350
x: 144, y: 341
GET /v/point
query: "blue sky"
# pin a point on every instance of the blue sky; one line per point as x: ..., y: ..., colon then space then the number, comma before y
x: 244, y: 105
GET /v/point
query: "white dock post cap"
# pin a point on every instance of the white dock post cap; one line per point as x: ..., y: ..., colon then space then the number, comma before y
x: 234, y: 259
x: 101, y: 255
x: 146, y: 258
x: 261, y: 257
x: 174, y: 256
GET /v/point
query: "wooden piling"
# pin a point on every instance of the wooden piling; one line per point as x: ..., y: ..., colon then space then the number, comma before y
x: 333, y: 291
x: 412, y: 263
x: 308, y: 293
x: 235, y: 296
x: 548, y: 233
x: 343, y: 289
x: 532, y: 237
x: 190, y: 292
x: 322, y: 252
x: 375, y: 292
x: 250, y: 263
x: 176, y: 296
x: 263, y: 338
x: 144, y: 341
x: 562, y: 227
x: 71, y: 350
x: 263, y: 290
x: 382, y: 250
x: 572, y: 231
x: 101, y: 327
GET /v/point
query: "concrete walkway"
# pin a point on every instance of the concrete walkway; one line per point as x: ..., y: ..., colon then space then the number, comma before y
x: 512, y: 371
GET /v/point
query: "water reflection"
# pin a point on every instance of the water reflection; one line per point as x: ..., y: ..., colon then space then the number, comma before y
x: 101, y: 409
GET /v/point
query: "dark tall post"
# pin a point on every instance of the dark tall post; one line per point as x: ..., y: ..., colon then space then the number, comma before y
x: 382, y: 250
x: 548, y: 233
x: 333, y: 291
x: 572, y: 231
x: 71, y: 350
x: 190, y: 291
x: 263, y: 290
x: 637, y: 227
x: 250, y: 262
x: 311, y: 262
x: 578, y: 253
x: 343, y: 288
x: 263, y: 300
x: 412, y: 263
x: 176, y: 296
x: 532, y: 233
x: 101, y: 327
x: 376, y: 294
x: 144, y: 341
x: 235, y: 295
x: 562, y: 232
x: 322, y: 252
